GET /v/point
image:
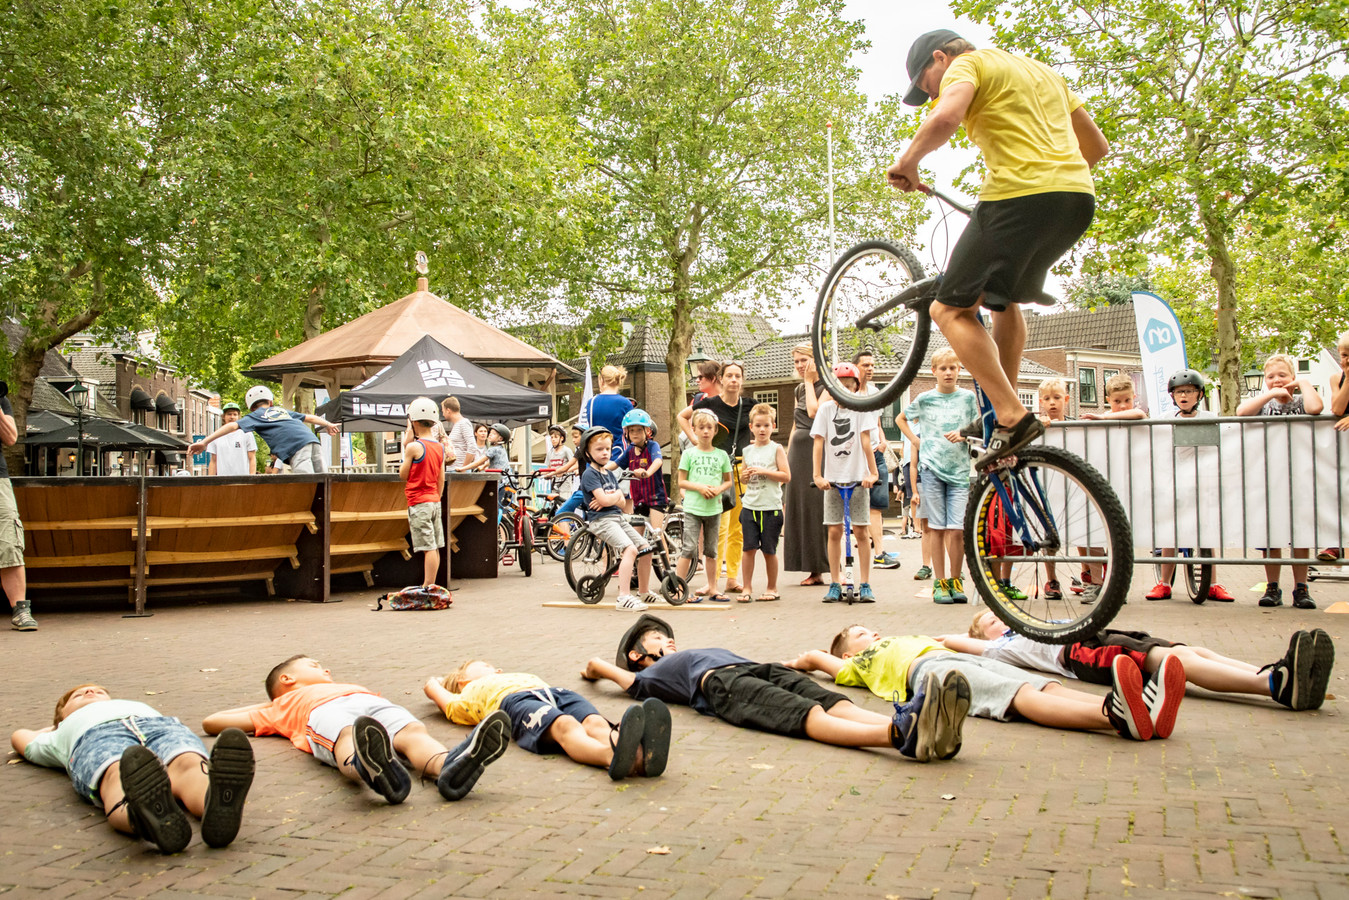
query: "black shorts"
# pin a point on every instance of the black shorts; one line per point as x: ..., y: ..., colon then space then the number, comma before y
x: 533, y: 713
x: 1091, y: 660
x: 761, y: 529
x: 1006, y: 251
x: 766, y: 696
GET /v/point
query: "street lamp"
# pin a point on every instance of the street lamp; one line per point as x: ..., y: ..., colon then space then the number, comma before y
x: 696, y: 359
x: 79, y: 395
x: 1254, y: 378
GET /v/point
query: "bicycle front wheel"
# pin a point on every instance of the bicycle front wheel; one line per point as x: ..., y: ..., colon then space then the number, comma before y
x: 560, y: 530
x: 1036, y: 522
x: 874, y: 298
x: 586, y: 555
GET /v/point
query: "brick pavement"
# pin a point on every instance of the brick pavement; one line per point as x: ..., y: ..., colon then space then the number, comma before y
x: 1244, y: 800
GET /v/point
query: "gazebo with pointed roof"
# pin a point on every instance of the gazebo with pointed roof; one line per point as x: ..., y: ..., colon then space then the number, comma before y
x: 351, y: 353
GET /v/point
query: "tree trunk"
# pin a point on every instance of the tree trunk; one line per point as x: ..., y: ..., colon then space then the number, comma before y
x: 1224, y: 272
x: 676, y: 366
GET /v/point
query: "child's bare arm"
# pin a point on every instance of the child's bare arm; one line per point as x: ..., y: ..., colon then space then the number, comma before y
x: 817, y: 463
x: 438, y: 693
x: 963, y: 643
x: 21, y: 738
x: 1311, y: 400
x: 232, y: 718
x: 870, y: 457
x: 597, y: 668
x: 1253, y: 406
x: 200, y: 446
x: 1122, y: 414
x: 783, y: 474
x: 1339, y: 397
x: 816, y: 661
x: 903, y: 424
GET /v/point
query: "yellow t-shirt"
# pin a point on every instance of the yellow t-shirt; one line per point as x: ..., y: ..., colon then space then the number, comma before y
x: 1021, y: 119
x: 482, y: 696
x: 883, y: 668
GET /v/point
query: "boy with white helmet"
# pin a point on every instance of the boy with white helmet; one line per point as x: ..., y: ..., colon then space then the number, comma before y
x: 423, y: 474
x: 284, y: 432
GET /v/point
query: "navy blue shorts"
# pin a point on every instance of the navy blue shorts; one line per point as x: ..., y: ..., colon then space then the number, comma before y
x: 761, y: 528
x: 534, y: 712
x: 880, y: 491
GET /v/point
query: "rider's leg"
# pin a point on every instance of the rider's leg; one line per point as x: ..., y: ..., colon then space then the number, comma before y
x: 1009, y: 333
x: 979, y: 354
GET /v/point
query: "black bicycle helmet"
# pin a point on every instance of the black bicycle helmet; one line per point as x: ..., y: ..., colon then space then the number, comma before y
x: 559, y: 429
x: 584, y: 443
x: 503, y: 431
x: 1183, y: 378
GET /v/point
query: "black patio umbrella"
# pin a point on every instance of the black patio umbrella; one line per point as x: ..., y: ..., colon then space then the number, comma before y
x: 106, y: 434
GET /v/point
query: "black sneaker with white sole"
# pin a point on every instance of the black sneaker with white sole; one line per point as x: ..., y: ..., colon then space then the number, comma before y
x: 230, y: 775
x: 150, y: 805
x: 376, y: 762
x: 1007, y: 441
x: 465, y: 764
x: 1290, y: 679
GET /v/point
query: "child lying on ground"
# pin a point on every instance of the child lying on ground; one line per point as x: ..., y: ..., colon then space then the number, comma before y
x: 1297, y: 681
x: 547, y: 719
x: 860, y: 657
x: 356, y: 731
x: 139, y: 766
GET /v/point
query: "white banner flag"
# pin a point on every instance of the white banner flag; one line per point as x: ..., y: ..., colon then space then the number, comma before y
x: 587, y: 396
x: 1162, y: 345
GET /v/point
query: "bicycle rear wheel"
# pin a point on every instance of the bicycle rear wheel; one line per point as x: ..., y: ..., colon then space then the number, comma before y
x: 586, y: 555
x: 862, y: 307
x: 1198, y: 578
x: 1062, y: 513
x: 560, y: 530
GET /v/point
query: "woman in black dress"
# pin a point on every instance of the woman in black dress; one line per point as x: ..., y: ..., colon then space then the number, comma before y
x: 803, y: 505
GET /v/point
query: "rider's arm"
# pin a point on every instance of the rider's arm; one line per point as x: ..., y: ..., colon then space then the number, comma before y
x: 1090, y: 140
x: 939, y: 128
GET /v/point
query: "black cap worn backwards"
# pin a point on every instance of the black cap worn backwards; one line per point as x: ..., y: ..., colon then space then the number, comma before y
x: 920, y: 57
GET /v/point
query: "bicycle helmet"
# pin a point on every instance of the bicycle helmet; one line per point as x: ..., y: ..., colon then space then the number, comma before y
x: 639, y: 417
x: 1183, y: 378
x: 559, y: 429
x: 583, y: 445
x: 503, y: 431
x: 423, y: 410
x: 256, y: 394
x: 847, y: 370
x: 633, y: 635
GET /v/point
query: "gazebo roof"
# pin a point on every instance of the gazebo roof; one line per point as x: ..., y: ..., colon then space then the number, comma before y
x: 352, y: 352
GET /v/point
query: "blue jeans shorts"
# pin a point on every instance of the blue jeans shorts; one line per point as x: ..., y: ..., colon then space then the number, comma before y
x: 101, y: 746
x: 533, y: 712
x: 880, y: 491
x: 943, y: 503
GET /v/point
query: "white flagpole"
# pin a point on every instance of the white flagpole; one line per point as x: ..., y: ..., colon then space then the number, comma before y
x: 833, y: 312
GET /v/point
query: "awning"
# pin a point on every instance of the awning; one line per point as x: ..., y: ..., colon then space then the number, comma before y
x: 140, y: 399
x: 164, y: 403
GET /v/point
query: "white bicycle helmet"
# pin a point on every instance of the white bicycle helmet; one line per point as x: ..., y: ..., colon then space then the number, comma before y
x: 423, y: 410
x: 256, y: 393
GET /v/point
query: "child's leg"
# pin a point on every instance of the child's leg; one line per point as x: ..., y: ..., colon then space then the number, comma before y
x: 747, y: 569
x: 1060, y: 709
x: 344, y: 752
x: 1206, y: 653
x: 430, y: 567
x: 846, y: 709
x: 845, y: 732
x: 625, y: 570
x: 1210, y: 673
x: 928, y: 539
x: 770, y: 565
x: 954, y: 539
x: 644, y: 573
x: 657, y: 517
x: 1300, y: 572
x: 937, y: 537
x: 586, y: 742
x: 187, y: 775
x: 1168, y: 569
x: 862, y: 537
x: 1272, y: 572
x: 110, y: 792
x: 711, y: 572
x: 835, y: 552
x: 421, y: 750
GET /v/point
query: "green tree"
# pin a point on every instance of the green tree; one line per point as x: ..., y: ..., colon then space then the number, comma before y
x: 705, y: 122
x: 92, y: 146
x: 1220, y: 115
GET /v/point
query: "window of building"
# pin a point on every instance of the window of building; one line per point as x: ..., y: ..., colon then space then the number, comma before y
x: 771, y: 398
x: 1304, y: 365
x: 1029, y: 399
x: 1107, y: 374
x: 1086, y: 386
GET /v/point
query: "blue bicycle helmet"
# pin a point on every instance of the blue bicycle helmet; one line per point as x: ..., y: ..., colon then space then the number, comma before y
x: 639, y: 417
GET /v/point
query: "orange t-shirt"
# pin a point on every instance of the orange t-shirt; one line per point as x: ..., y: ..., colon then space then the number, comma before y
x: 288, y: 714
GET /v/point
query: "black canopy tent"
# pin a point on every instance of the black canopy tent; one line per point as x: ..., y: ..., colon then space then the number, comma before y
x: 430, y: 369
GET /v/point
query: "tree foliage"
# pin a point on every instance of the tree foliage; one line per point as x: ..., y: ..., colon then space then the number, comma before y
x: 1220, y: 114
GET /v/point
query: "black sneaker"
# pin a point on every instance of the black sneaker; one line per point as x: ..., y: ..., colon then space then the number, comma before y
x: 626, y: 742
x: 655, y: 737
x: 1273, y: 595
x: 1290, y: 677
x: 1323, y: 660
x: 376, y: 763
x: 1007, y: 441
x: 150, y: 805
x: 231, y: 775
x: 483, y: 747
x: 1302, y: 598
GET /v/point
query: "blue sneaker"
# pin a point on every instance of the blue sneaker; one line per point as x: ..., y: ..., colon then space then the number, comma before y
x: 913, y: 724
x: 834, y: 594
x: 865, y: 594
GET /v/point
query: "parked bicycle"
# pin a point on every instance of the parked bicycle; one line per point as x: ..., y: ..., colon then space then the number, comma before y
x: 1027, y: 514
x: 589, y: 564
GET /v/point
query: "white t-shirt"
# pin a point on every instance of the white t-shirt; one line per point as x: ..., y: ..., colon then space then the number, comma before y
x: 842, y: 430
x: 557, y: 458
x: 231, y: 452
x: 1016, y: 650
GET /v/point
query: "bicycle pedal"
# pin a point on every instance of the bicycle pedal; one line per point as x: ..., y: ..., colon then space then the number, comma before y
x: 508, y: 560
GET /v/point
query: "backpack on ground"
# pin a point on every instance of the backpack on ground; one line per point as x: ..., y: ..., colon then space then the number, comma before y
x: 417, y: 597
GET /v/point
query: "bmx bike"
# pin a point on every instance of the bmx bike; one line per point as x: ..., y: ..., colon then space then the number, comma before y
x: 1028, y: 514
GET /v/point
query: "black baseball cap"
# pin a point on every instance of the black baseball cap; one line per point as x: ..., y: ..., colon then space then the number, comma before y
x: 920, y: 57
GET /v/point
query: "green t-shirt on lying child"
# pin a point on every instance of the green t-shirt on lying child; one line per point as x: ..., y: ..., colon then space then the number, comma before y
x: 703, y: 467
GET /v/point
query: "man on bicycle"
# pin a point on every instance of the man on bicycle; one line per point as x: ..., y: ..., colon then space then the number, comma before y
x: 1037, y: 199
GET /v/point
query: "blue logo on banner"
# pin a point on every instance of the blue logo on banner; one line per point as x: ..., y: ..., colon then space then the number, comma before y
x: 1159, y: 335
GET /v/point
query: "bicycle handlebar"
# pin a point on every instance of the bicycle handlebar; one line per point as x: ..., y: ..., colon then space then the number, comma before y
x: 954, y: 204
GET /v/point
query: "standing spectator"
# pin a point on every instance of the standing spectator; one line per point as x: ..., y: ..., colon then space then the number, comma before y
x: 560, y: 457
x: 284, y: 431
x: 803, y: 530
x: 608, y: 407
x: 880, y: 491
x: 704, y: 474
x: 732, y: 410
x: 847, y: 432
x: 423, y: 474
x: 13, y: 575
x: 1285, y: 395
x: 1339, y: 406
x: 460, y: 447
x: 945, y: 462
x: 709, y: 385
x: 233, y: 454
x: 925, y: 534
x: 761, y: 519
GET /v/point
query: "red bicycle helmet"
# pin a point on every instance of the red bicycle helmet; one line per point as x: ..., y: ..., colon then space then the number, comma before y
x: 847, y: 370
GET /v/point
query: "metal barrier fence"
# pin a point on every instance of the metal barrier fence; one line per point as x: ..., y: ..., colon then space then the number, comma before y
x: 1229, y: 485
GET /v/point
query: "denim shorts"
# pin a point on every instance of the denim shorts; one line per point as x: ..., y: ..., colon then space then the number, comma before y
x: 880, y: 491
x: 943, y: 503
x: 102, y: 745
x: 533, y: 712
x: 708, y: 527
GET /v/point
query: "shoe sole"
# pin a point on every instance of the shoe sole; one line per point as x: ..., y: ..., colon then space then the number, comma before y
x: 1127, y: 683
x: 231, y: 775
x: 151, y: 806
x: 1300, y: 657
x: 1163, y: 695
x: 955, y: 699
x: 374, y: 749
x: 656, y: 735
x: 1323, y: 660
x: 925, y: 747
x: 630, y: 730
x: 486, y: 745
x: 988, y: 458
